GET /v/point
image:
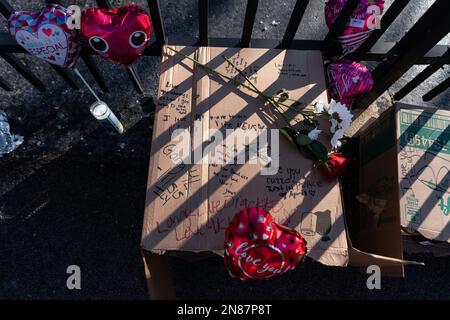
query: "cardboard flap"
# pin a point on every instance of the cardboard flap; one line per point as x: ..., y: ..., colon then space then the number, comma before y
x: 360, y: 258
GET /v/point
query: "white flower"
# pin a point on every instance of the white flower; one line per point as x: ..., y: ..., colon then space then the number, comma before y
x: 340, y: 116
x: 336, y: 143
x: 314, y: 134
x: 320, y: 106
x: 335, y: 140
x: 340, y: 119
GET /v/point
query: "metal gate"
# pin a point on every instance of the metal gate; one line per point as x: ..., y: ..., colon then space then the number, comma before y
x: 418, y: 46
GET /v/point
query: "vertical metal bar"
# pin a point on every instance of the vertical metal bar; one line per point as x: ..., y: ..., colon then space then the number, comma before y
x: 394, y: 10
x: 20, y: 68
x: 5, y: 85
x: 135, y: 79
x: 6, y: 9
x: 90, y: 64
x: 104, y: 4
x: 157, y: 23
x: 250, y: 15
x: 67, y: 76
x: 422, y: 76
x: 203, y: 22
x: 425, y: 31
x: 330, y: 46
x: 429, y: 30
x: 437, y: 90
x: 94, y: 70
x: 424, y: 27
x: 294, y: 22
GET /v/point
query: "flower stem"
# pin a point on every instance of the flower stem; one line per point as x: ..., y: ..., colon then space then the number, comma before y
x: 251, y: 87
x: 260, y: 94
x: 211, y: 70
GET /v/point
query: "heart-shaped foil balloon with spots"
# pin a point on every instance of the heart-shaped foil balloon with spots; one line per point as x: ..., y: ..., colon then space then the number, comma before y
x: 256, y: 247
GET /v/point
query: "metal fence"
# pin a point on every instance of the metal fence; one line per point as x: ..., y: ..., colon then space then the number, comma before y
x: 418, y: 46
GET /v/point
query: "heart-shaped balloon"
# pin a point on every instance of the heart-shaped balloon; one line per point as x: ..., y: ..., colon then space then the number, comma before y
x: 118, y: 34
x: 347, y: 80
x: 256, y: 247
x: 45, y: 34
x: 362, y: 22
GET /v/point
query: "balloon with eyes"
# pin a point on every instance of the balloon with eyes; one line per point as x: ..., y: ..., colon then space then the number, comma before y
x: 118, y: 34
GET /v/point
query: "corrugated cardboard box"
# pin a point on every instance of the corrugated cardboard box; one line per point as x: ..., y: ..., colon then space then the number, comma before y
x: 405, y: 178
x: 189, y: 206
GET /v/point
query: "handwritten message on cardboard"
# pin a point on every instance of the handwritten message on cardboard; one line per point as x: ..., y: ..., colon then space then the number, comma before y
x: 189, y: 205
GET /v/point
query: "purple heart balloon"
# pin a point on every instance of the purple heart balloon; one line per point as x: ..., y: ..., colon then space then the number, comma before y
x: 347, y: 80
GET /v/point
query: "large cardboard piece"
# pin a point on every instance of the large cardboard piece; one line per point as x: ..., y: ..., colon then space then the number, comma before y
x: 189, y: 206
x: 405, y: 178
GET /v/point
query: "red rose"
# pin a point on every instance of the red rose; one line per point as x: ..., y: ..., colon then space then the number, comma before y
x: 334, y: 166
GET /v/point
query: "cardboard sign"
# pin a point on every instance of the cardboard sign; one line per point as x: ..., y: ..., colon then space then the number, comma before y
x: 405, y: 161
x: 189, y: 204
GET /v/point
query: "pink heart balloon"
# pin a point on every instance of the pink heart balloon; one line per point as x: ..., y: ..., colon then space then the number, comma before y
x: 362, y: 22
x: 45, y: 35
x: 347, y: 80
x: 118, y: 34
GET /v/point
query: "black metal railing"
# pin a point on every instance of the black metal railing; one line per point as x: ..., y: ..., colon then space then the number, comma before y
x: 418, y: 46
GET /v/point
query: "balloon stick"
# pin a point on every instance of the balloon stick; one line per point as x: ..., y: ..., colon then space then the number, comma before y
x: 77, y: 72
x: 135, y: 77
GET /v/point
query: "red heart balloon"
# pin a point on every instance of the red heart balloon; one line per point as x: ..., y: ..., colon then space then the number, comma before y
x: 256, y: 247
x: 118, y: 34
